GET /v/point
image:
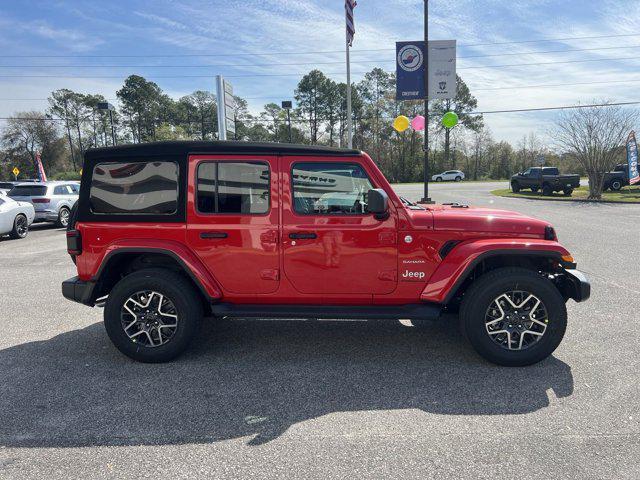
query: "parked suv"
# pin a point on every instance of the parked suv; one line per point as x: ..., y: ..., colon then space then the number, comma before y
x: 449, y: 175
x: 166, y: 233
x: 52, y: 200
x: 547, y: 179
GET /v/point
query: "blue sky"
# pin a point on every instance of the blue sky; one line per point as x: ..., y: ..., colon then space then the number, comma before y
x: 243, y: 39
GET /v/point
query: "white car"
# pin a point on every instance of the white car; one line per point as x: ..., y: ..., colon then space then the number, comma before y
x: 15, y: 217
x: 449, y: 176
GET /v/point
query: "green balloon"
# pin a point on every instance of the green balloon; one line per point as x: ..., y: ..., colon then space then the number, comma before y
x: 450, y: 119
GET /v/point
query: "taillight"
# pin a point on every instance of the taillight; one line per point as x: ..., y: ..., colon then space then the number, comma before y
x: 40, y: 200
x: 74, y: 242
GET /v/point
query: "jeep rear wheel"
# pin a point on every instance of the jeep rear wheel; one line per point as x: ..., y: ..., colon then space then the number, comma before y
x: 513, y: 316
x: 152, y: 315
x: 615, y: 185
x: 515, y: 187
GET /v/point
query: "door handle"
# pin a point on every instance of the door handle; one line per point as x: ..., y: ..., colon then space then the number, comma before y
x: 302, y: 236
x: 213, y: 235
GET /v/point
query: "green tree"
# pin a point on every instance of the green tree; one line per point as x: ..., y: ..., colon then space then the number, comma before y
x: 141, y: 102
x: 462, y: 105
x: 311, y: 101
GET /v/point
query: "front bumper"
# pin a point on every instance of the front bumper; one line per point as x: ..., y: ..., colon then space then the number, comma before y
x: 78, y: 291
x: 576, y: 285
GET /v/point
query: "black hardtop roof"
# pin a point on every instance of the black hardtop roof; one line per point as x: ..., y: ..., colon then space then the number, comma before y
x: 184, y: 148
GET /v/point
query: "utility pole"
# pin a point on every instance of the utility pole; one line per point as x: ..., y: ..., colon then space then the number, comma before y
x: 426, y: 198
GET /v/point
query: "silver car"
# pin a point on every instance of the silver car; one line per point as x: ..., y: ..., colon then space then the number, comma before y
x: 52, y: 201
x: 15, y: 217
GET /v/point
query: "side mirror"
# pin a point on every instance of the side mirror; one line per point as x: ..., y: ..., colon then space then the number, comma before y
x: 378, y: 203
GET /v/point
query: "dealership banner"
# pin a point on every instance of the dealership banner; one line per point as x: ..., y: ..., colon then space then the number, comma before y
x: 632, y: 159
x: 410, y: 70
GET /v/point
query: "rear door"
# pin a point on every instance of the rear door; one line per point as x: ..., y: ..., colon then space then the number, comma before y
x: 331, y: 245
x: 232, y: 220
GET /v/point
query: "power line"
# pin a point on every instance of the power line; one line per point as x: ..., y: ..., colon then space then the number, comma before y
x: 178, y: 55
x: 301, y: 120
x: 240, y: 65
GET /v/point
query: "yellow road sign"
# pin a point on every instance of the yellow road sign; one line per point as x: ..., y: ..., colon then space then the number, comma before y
x: 16, y: 171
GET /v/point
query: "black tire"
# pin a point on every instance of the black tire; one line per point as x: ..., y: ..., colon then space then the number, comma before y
x: 172, y: 286
x: 534, y: 189
x: 438, y: 179
x: 567, y: 191
x: 63, y: 217
x: 515, y: 187
x: 20, y: 227
x: 458, y: 179
x: 480, y: 296
x: 615, y: 185
x: 547, y: 190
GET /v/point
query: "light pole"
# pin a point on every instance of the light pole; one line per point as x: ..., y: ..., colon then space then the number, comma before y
x: 110, y: 108
x: 426, y: 198
x: 287, y: 105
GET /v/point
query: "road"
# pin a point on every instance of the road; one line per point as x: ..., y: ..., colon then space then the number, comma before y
x: 325, y: 399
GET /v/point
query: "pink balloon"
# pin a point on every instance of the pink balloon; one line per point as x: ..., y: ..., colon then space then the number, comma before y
x: 418, y: 123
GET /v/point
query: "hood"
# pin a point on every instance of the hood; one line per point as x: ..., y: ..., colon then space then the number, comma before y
x: 475, y: 219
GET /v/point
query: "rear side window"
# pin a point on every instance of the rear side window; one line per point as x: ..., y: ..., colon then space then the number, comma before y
x: 330, y: 188
x: 28, y: 191
x: 233, y: 187
x: 134, y: 188
x: 62, y: 190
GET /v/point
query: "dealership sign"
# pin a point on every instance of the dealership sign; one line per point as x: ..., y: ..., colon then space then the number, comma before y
x: 410, y: 70
x: 632, y: 159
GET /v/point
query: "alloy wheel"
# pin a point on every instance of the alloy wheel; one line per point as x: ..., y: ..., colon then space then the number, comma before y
x: 22, y: 226
x: 64, y: 217
x: 516, y: 320
x: 149, y: 318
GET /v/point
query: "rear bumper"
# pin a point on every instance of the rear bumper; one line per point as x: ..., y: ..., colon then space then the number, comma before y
x: 78, y: 291
x: 576, y: 285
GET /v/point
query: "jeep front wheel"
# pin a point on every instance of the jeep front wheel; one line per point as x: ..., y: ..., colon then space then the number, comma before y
x: 513, y: 316
x: 152, y: 315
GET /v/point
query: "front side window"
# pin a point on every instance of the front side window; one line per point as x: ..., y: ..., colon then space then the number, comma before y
x: 233, y: 187
x: 134, y: 188
x: 62, y: 190
x: 330, y: 188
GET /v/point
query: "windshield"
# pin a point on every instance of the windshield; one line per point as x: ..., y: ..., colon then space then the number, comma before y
x: 28, y: 191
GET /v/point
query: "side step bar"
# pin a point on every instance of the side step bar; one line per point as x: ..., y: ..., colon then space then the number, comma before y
x: 424, y: 311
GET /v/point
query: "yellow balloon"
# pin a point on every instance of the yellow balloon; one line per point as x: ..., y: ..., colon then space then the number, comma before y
x: 401, y: 123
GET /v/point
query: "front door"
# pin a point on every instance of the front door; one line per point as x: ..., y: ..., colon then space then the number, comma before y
x: 232, y: 220
x: 331, y: 245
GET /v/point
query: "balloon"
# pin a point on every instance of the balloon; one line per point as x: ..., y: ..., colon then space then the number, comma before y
x: 418, y: 123
x: 401, y: 123
x: 450, y: 119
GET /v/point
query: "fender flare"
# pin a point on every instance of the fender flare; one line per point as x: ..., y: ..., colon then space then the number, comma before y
x: 189, y: 263
x: 462, y: 259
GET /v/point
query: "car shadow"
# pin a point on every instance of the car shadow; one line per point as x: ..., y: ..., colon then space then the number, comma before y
x: 253, y: 379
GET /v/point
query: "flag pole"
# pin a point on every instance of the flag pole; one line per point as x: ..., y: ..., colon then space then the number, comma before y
x: 349, y: 116
x: 426, y: 199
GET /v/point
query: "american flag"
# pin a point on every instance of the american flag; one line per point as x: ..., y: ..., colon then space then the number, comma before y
x: 40, y: 169
x: 349, y: 5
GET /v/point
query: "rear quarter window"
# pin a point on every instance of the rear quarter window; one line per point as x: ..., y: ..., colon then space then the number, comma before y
x: 140, y: 188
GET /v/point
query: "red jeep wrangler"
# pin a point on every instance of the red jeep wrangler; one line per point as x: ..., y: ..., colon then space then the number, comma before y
x: 166, y: 233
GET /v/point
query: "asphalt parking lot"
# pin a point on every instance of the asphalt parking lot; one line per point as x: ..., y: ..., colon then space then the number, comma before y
x: 325, y: 399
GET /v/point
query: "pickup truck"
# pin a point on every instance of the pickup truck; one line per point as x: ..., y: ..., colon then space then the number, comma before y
x: 547, y: 179
x: 616, y: 179
x: 167, y: 233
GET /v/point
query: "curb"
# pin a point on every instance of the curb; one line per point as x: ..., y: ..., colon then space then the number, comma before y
x: 551, y: 199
